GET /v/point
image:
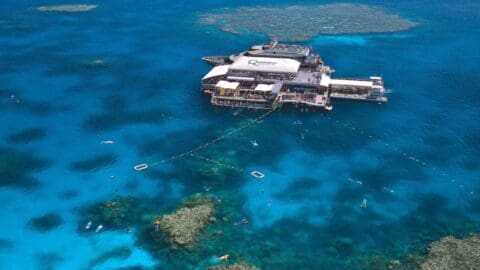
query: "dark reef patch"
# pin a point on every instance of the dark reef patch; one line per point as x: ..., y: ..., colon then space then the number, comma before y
x: 16, y: 168
x: 68, y: 194
x: 45, y: 222
x: 48, y: 260
x: 116, y: 114
x: 300, y: 189
x: 5, y: 244
x: 94, y: 163
x: 471, y: 140
x: 134, y: 267
x: 224, y: 150
x: 116, y: 253
x: 27, y: 135
x: 433, y: 218
x: 393, y: 168
x: 131, y: 185
x: 118, y: 213
x: 16, y: 102
x: 114, y: 120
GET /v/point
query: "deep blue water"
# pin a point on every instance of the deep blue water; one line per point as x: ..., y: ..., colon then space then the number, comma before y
x: 416, y: 157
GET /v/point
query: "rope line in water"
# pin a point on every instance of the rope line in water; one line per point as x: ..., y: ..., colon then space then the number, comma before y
x: 217, y: 162
x: 408, y: 156
x: 144, y: 166
x: 346, y: 125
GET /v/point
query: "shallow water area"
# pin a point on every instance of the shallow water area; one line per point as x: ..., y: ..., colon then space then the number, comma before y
x: 301, y: 23
x: 88, y: 95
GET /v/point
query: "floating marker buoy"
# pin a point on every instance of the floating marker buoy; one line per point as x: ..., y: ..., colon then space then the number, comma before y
x: 257, y: 174
x: 141, y: 167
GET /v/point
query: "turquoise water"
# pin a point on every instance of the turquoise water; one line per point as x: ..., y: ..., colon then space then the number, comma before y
x: 415, y: 159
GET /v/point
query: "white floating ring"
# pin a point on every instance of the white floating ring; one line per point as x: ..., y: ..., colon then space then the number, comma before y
x: 257, y: 174
x: 141, y: 167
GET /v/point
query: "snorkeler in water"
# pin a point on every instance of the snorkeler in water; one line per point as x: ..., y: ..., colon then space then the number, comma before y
x: 241, y: 222
x: 207, y: 188
x: 364, y: 203
x: 99, y: 228
x: 224, y: 257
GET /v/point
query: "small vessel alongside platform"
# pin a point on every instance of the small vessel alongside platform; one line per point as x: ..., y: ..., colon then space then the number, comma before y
x: 268, y: 76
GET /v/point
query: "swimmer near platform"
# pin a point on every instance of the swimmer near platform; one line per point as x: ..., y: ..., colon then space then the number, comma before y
x: 269, y: 76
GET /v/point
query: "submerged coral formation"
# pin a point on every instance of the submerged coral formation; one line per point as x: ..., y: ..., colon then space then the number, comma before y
x: 48, y: 260
x: 374, y: 261
x: 17, y: 168
x: 94, y: 163
x: 27, y: 135
x: 299, y: 23
x: 5, y: 244
x: 67, y: 8
x: 214, y: 166
x: 182, y: 227
x: 117, y: 213
x: 453, y: 253
x: 236, y: 266
x: 46, y: 222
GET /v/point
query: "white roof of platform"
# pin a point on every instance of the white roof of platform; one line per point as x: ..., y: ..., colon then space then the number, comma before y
x: 227, y: 85
x: 265, y: 64
x: 352, y: 82
x: 264, y: 87
x: 217, y: 71
x: 325, y: 81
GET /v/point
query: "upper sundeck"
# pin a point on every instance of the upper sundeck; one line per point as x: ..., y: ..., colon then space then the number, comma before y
x: 274, y: 49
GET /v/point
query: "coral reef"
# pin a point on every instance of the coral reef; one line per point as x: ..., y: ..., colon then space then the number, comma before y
x: 216, y: 166
x: 117, y: 213
x: 300, y: 23
x: 48, y: 260
x: 110, y: 120
x: 182, y: 227
x: 27, y: 135
x: 5, y: 244
x: 46, y: 222
x: 236, y: 266
x: 94, y: 163
x: 375, y: 262
x: 67, y: 8
x: 453, y: 253
x: 13, y: 101
x: 342, y: 245
x: 68, y: 194
x: 16, y: 168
